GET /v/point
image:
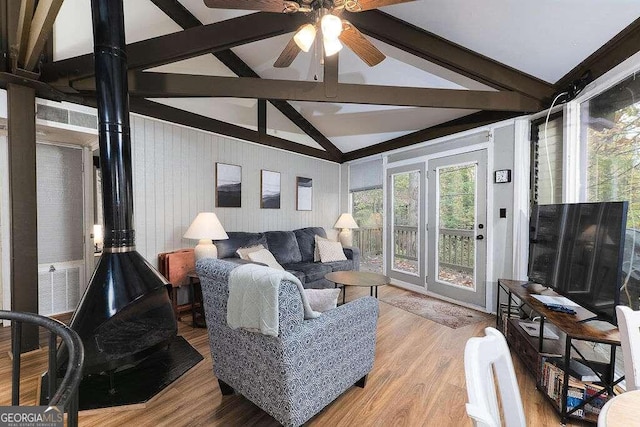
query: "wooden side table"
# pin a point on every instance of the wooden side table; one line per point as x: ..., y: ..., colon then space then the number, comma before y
x: 197, y: 304
x: 175, y: 266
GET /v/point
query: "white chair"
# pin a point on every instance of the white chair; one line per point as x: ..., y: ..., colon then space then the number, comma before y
x: 482, y: 357
x: 629, y: 325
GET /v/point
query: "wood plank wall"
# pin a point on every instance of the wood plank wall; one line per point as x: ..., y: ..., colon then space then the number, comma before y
x: 174, y: 179
x: 5, y: 243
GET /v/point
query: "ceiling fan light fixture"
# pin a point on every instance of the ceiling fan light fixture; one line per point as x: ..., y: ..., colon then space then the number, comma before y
x: 331, y: 26
x: 305, y: 36
x: 331, y: 46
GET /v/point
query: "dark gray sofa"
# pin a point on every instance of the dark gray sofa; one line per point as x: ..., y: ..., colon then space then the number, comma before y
x: 293, y: 250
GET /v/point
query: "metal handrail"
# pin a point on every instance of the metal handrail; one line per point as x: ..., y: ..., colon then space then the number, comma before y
x: 66, y: 395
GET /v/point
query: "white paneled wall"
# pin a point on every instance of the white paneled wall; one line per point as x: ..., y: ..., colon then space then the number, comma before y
x: 174, y: 179
x: 5, y: 243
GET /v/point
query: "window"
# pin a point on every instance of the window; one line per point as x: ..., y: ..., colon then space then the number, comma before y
x: 610, y: 132
x: 547, y: 158
x: 365, y: 185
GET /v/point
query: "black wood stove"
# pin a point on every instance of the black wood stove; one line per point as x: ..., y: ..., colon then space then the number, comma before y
x: 125, y: 318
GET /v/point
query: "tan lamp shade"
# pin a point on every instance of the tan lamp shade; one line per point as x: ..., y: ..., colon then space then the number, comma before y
x: 346, y: 223
x: 205, y: 228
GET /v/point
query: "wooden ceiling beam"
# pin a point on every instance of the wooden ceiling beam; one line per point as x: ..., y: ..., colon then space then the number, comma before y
x: 24, y: 26
x: 166, y: 85
x: 621, y: 47
x: 433, y: 48
x: 481, y: 118
x: 183, y: 44
x: 186, y: 118
x: 39, y: 31
x: 178, y: 13
x: 238, y: 66
x: 43, y: 90
x: 181, y: 16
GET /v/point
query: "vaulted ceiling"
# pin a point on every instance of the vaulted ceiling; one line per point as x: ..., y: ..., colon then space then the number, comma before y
x: 450, y: 65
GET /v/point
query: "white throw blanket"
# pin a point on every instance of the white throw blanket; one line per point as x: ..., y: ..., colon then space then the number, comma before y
x: 253, y: 298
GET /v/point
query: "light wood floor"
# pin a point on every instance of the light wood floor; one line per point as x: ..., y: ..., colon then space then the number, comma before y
x: 417, y: 380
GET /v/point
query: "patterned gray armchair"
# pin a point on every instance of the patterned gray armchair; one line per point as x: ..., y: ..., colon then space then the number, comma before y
x: 295, y: 375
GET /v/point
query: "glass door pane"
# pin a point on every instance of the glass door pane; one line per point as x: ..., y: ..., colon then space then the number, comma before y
x: 457, y: 219
x: 405, y: 254
x: 457, y: 214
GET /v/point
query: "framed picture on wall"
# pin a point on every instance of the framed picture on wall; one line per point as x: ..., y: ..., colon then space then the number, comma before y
x: 269, y: 189
x: 304, y: 193
x: 228, y: 186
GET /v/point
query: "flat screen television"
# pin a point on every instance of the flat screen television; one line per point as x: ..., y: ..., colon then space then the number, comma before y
x: 577, y: 249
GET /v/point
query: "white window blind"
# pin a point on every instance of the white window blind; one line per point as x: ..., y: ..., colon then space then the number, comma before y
x: 60, y: 204
x: 365, y: 175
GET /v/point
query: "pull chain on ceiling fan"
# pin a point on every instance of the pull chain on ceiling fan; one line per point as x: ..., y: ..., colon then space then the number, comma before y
x: 335, y: 31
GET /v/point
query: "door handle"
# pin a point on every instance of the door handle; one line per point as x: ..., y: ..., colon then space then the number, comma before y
x: 479, y: 237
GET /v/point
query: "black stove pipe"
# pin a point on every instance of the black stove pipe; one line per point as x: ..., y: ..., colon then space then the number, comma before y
x: 125, y: 313
x: 113, y: 108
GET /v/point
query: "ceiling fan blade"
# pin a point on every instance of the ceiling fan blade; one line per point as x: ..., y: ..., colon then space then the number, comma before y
x: 362, y: 47
x: 263, y: 5
x: 360, y: 5
x: 287, y: 56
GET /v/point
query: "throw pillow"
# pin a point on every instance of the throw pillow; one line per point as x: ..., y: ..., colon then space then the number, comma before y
x: 322, y: 299
x: 330, y: 251
x: 265, y: 257
x: 243, y: 253
x: 316, y: 252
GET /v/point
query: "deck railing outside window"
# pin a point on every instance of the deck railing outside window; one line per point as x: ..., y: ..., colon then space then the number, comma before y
x: 456, y: 246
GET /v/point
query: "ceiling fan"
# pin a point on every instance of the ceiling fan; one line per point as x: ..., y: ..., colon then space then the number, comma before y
x: 334, y: 31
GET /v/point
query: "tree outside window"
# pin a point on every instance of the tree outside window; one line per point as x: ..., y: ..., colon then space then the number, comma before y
x: 367, y: 211
x: 611, y: 137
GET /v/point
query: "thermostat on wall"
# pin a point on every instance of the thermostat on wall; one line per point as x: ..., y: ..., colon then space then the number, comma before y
x: 502, y: 176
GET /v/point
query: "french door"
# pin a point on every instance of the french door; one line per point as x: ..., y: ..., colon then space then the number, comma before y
x: 405, y: 230
x: 456, y: 224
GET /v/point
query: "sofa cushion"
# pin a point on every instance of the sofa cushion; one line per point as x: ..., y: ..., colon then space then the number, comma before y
x: 306, y: 241
x: 312, y: 270
x: 284, y: 246
x: 299, y: 274
x: 238, y: 239
x: 346, y: 265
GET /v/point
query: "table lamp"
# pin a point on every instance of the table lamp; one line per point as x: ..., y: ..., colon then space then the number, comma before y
x: 346, y: 223
x: 205, y: 228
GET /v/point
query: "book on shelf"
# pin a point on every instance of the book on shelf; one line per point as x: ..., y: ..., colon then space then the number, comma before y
x: 575, y: 397
x: 598, y: 396
x: 580, y: 371
x: 579, y: 392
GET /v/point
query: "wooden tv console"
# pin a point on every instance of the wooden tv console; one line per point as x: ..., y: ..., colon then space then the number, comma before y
x: 538, y: 353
